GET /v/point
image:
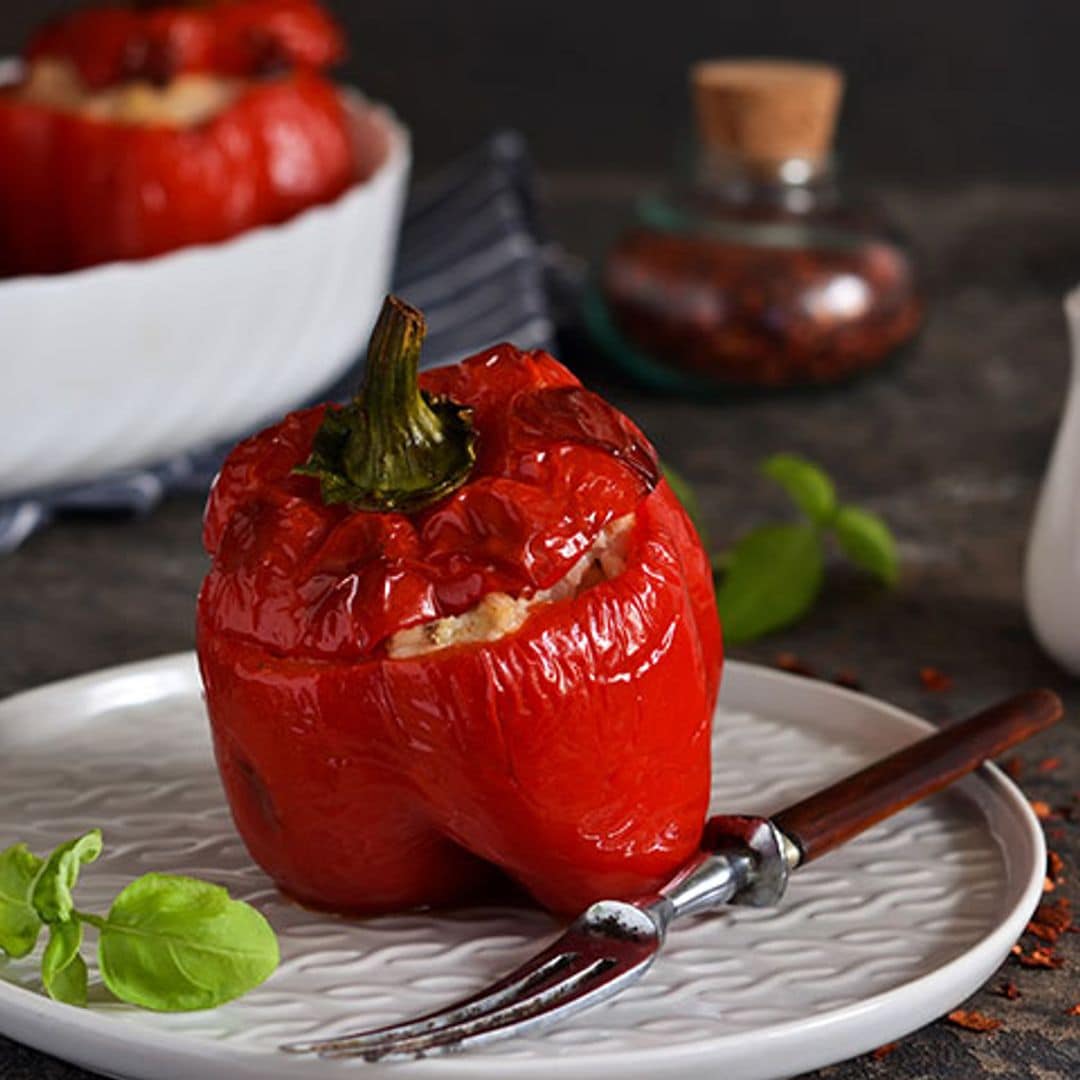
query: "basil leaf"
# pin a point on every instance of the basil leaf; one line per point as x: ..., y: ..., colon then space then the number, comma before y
x: 807, y: 485
x: 773, y: 578
x: 63, y: 970
x: 176, y: 944
x: 20, y: 924
x: 52, y: 892
x: 688, y: 497
x: 868, y: 543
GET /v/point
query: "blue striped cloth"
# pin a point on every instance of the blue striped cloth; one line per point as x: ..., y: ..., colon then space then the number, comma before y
x: 470, y: 257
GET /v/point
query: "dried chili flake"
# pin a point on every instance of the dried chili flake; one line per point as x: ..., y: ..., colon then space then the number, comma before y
x: 1074, y: 1011
x: 1049, y: 764
x: 1055, y: 865
x: 1041, y: 958
x: 882, y: 1052
x: 1043, y: 931
x: 1042, y: 809
x: 1013, y: 766
x: 1008, y: 990
x: 789, y: 662
x: 1055, y: 913
x: 848, y: 679
x: 937, y: 682
x: 735, y: 309
x: 970, y: 1020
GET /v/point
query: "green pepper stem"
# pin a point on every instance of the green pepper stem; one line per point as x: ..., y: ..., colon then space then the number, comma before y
x: 394, y: 447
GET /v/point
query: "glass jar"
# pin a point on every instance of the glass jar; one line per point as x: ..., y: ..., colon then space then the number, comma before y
x: 755, y: 278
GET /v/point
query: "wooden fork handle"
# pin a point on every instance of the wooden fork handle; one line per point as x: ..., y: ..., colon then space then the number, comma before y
x: 829, y: 818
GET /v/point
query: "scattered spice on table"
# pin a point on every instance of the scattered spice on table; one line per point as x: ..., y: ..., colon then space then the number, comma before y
x: 1043, y: 932
x: 1008, y: 990
x: 1074, y: 1011
x: 794, y: 665
x: 1013, y: 767
x: 882, y: 1052
x: 848, y: 679
x: 1052, y: 919
x: 789, y: 662
x: 935, y: 681
x: 1042, y: 809
x: 1055, y: 866
x: 1049, y: 764
x: 970, y: 1020
x: 1040, y: 957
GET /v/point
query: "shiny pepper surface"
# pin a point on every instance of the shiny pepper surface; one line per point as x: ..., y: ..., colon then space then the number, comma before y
x: 83, y: 191
x: 93, y: 173
x: 571, y: 753
x: 110, y: 44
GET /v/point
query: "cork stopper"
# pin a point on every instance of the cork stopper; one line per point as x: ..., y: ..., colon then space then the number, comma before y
x: 765, y: 112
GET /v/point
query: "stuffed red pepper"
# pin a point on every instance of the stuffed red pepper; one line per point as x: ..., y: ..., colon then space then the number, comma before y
x: 461, y: 623
x: 133, y: 133
x: 156, y: 42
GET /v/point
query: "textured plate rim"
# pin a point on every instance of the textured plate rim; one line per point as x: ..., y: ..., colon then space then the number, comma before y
x: 835, y: 1035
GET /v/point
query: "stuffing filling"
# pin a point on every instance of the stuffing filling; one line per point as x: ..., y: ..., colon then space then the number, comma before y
x: 499, y: 614
x: 185, y: 102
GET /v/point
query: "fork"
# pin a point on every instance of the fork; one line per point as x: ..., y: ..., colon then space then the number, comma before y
x: 743, y: 860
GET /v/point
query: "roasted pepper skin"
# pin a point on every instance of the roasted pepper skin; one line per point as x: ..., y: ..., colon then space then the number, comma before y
x: 33, y: 236
x: 240, y: 38
x: 572, y: 754
x: 82, y: 191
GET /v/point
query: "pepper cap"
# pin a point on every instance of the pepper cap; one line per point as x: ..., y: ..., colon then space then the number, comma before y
x: 394, y: 447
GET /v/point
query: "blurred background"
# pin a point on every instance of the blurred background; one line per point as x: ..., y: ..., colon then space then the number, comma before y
x: 958, y: 117
x: 937, y: 90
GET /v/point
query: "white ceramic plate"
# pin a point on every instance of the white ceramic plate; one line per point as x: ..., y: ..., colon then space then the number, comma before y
x: 872, y: 942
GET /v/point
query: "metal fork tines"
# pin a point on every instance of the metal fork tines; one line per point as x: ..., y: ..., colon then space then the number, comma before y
x: 608, y: 947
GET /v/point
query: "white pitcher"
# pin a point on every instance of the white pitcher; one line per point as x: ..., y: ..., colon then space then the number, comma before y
x: 1052, y: 573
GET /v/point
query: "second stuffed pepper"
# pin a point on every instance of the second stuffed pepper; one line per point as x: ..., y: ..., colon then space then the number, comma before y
x: 132, y: 134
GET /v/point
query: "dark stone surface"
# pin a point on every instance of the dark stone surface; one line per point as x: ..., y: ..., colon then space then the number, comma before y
x: 949, y: 446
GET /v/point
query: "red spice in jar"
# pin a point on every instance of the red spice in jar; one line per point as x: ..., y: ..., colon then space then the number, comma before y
x: 761, y: 316
x: 759, y: 273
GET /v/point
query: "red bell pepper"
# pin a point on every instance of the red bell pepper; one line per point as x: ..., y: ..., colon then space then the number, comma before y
x: 33, y: 236
x: 78, y: 190
x: 566, y: 745
x: 156, y: 42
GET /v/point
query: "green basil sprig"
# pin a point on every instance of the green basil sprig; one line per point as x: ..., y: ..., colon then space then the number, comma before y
x: 772, y: 577
x: 168, y: 943
x: 20, y: 923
